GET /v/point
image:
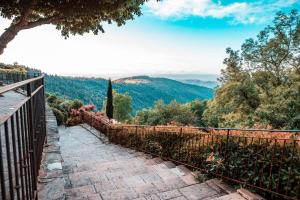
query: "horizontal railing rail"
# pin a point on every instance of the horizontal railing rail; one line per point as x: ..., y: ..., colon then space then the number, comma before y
x: 8, y: 77
x: 20, y: 84
x: 213, y: 128
x: 22, y: 136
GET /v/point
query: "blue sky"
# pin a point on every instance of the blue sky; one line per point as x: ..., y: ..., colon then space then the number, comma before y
x: 172, y: 36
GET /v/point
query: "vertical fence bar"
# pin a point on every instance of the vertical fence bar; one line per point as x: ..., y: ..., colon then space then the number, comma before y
x: 32, y: 139
x: 17, y: 187
x: 2, y: 177
x: 24, y: 150
x: 21, y: 157
x: 7, y: 143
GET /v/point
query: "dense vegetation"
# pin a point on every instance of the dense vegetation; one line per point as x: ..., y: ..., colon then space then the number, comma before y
x: 261, y: 82
x: 16, y: 68
x: 144, y: 93
x: 173, y: 113
x: 122, y: 107
x: 62, y: 107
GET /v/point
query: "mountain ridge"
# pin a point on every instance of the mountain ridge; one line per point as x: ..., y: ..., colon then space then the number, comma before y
x: 144, y: 90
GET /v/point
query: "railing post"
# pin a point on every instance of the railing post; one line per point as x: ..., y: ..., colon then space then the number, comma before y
x: 226, y: 146
x: 180, y: 144
x: 44, y: 109
x: 32, y: 139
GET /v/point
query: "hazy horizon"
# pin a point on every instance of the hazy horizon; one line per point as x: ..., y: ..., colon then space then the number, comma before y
x: 175, y: 76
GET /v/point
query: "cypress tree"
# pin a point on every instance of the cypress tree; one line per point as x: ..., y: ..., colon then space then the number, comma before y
x: 109, y: 101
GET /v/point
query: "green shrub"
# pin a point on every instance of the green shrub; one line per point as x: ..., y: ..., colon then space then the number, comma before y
x: 51, y: 99
x: 59, y: 116
x: 76, y: 104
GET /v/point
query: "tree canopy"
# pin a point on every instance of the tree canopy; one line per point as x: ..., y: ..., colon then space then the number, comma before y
x: 70, y: 17
x: 261, y: 82
x: 122, y: 107
x: 173, y: 113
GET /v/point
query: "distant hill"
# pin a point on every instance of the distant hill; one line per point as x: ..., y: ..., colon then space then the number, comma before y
x: 185, y: 76
x: 144, y: 90
x: 209, y: 84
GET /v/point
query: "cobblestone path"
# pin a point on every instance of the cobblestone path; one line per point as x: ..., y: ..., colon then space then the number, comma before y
x: 94, y: 169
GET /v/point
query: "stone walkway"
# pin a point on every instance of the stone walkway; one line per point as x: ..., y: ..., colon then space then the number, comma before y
x: 8, y: 101
x: 94, y: 169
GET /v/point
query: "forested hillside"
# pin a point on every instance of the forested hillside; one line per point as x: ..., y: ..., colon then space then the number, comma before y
x: 144, y: 90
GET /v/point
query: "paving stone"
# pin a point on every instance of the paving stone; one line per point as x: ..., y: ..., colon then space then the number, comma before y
x: 140, y: 198
x: 94, y: 197
x: 177, y: 172
x: 134, y: 181
x: 179, y: 198
x: 169, y: 194
x: 219, y: 186
x: 162, y: 186
x: 169, y: 164
x: 105, y: 186
x: 198, y: 191
x: 150, y: 177
x: 97, y: 178
x: 183, y: 169
x: 152, y: 197
x: 175, y: 183
x: 119, y: 194
x: 78, y: 181
x: 232, y: 196
x: 146, y: 189
x: 189, y: 179
x: 53, y: 189
x: 80, y: 192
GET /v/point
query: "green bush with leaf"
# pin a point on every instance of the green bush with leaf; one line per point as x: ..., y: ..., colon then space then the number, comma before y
x: 62, y: 107
x: 60, y: 118
x: 173, y: 113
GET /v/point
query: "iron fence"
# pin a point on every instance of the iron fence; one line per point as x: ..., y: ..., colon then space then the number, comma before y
x: 267, y: 161
x: 13, y: 77
x: 22, y: 136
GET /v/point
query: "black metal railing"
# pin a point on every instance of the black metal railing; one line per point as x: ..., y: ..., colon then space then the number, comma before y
x: 14, y: 77
x: 267, y: 161
x: 22, y: 136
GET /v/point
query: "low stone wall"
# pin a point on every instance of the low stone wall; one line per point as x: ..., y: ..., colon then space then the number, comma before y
x: 51, y: 179
x: 99, y: 122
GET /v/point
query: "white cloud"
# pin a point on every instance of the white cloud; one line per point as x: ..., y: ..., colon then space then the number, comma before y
x: 238, y: 12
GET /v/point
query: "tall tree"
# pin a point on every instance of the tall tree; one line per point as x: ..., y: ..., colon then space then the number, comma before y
x: 70, y: 17
x: 122, y: 107
x: 260, y: 85
x: 109, y: 101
